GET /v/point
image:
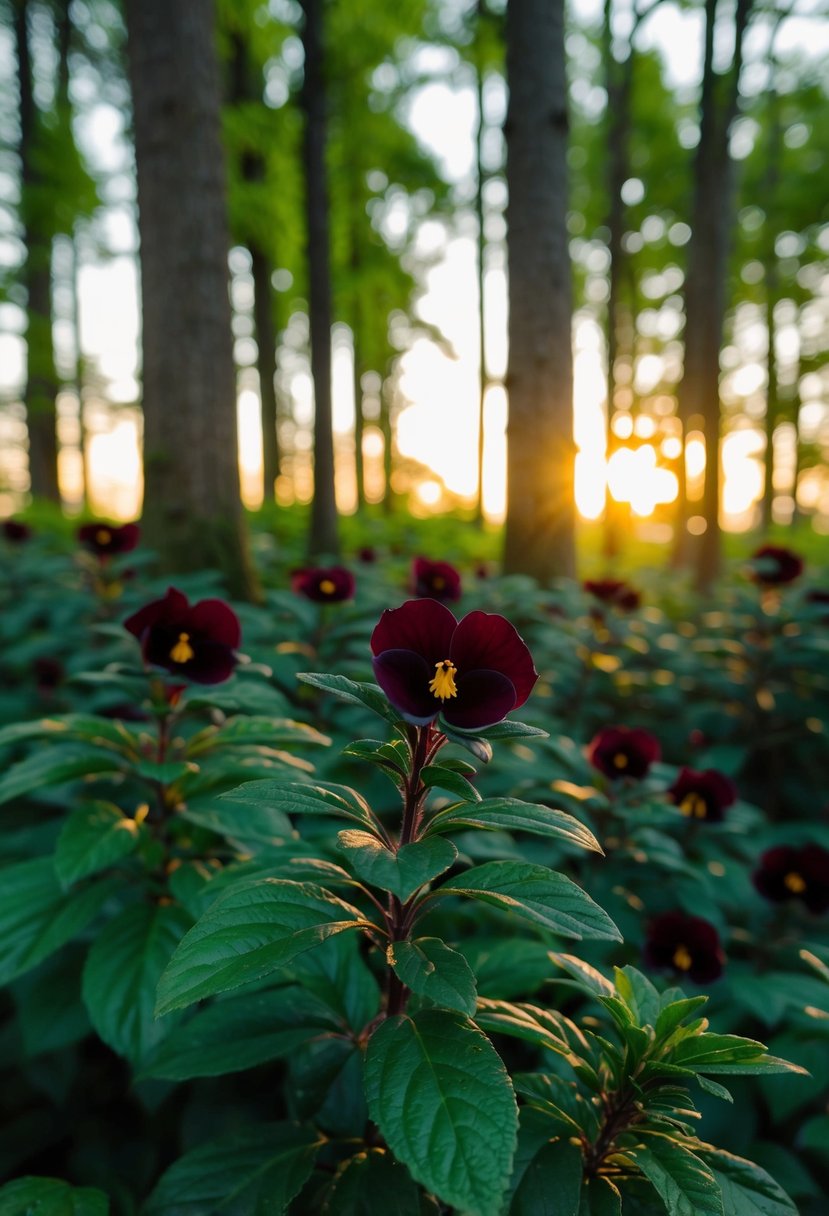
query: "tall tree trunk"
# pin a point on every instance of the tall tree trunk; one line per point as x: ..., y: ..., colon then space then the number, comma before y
x: 323, y: 537
x: 619, y: 88
x: 266, y: 366
x: 359, y: 417
x: 772, y: 177
x: 480, y: 181
x: 386, y: 426
x: 192, y: 508
x: 705, y: 283
x: 40, y: 393
x: 541, y: 453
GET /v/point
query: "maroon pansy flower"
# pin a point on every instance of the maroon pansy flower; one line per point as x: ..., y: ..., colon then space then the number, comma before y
x: 623, y: 751
x: 613, y: 592
x: 197, y: 641
x: 16, y: 532
x: 367, y: 554
x: 472, y: 671
x: 107, y: 540
x: 775, y: 565
x: 435, y: 580
x: 792, y: 872
x: 686, y: 945
x: 324, y: 584
x: 703, y: 795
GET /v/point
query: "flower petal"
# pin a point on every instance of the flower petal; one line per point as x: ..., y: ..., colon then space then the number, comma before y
x: 211, y: 664
x: 404, y: 677
x: 486, y: 641
x: 215, y: 620
x: 484, y: 698
x: 171, y: 607
x: 423, y: 626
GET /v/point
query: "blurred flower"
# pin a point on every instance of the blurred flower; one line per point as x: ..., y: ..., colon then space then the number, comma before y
x: 196, y: 641
x: 703, y: 795
x: 472, y: 671
x: 125, y: 712
x: 49, y: 673
x: 105, y: 540
x: 435, y: 580
x: 774, y: 566
x: 791, y: 872
x: 367, y: 554
x: 324, y: 584
x: 687, y: 945
x: 614, y: 592
x: 623, y: 751
x: 482, y: 570
x: 820, y: 597
x: 16, y: 531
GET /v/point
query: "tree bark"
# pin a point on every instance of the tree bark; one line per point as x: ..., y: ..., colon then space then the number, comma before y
x: 479, y: 216
x: 705, y: 285
x: 323, y: 537
x: 772, y: 179
x: 266, y: 366
x: 541, y: 453
x: 41, y: 389
x: 192, y: 509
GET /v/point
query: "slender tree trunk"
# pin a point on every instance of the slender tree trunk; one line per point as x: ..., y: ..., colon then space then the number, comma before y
x: 480, y: 181
x: 541, y: 453
x: 323, y: 536
x: 386, y: 394
x: 705, y: 284
x: 40, y: 392
x: 192, y: 509
x: 266, y: 366
x: 772, y: 177
x: 359, y: 417
x: 798, y: 448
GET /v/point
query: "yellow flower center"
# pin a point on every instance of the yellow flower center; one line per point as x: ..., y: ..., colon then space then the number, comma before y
x: 682, y: 958
x: 794, y: 883
x: 443, y: 684
x: 438, y: 582
x: 327, y: 587
x: 694, y: 805
x: 620, y: 760
x: 182, y: 652
x: 103, y: 536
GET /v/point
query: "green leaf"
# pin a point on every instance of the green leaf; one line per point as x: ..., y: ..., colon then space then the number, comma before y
x: 122, y: 972
x: 294, y: 798
x: 479, y: 747
x: 255, y: 1173
x: 440, y: 1095
x: 245, y: 822
x: 639, y: 994
x: 95, y: 836
x: 240, y: 1032
x: 248, y: 933
x: 165, y: 773
x: 671, y: 1016
x: 714, y: 1088
x: 599, y: 1197
x: 588, y: 977
x: 356, y: 693
x: 37, y: 917
x: 100, y: 732
x: 515, y: 816
x: 403, y: 872
x: 747, y: 1190
x: 374, y: 1184
x: 508, y: 729
x: 432, y: 970
x: 273, y: 732
x: 393, y: 755
x: 551, y: 1185
x: 436, y: 776
x: 728, y: 1053
x: 536, y: 893
x: 685, y: 1184
x: 55, y: 767
x: 51, y: 1197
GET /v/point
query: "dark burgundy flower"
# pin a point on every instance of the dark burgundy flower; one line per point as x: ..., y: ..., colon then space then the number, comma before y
x: 367, y: 554
x: 16, y: 532
x: 435, y: 580
x: 774, y: 566
x: 686, y: 945
x: 472, y: 671
x: 623, y: 751
x: 613, y: 592
x: 106, y: 540
x: 125, y: 712
x: 703, y: 795
x: 792, y: 872
x: 197, y: 641
x: 820, y: 597
x: 49, y: 673
x: 324, y: 584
